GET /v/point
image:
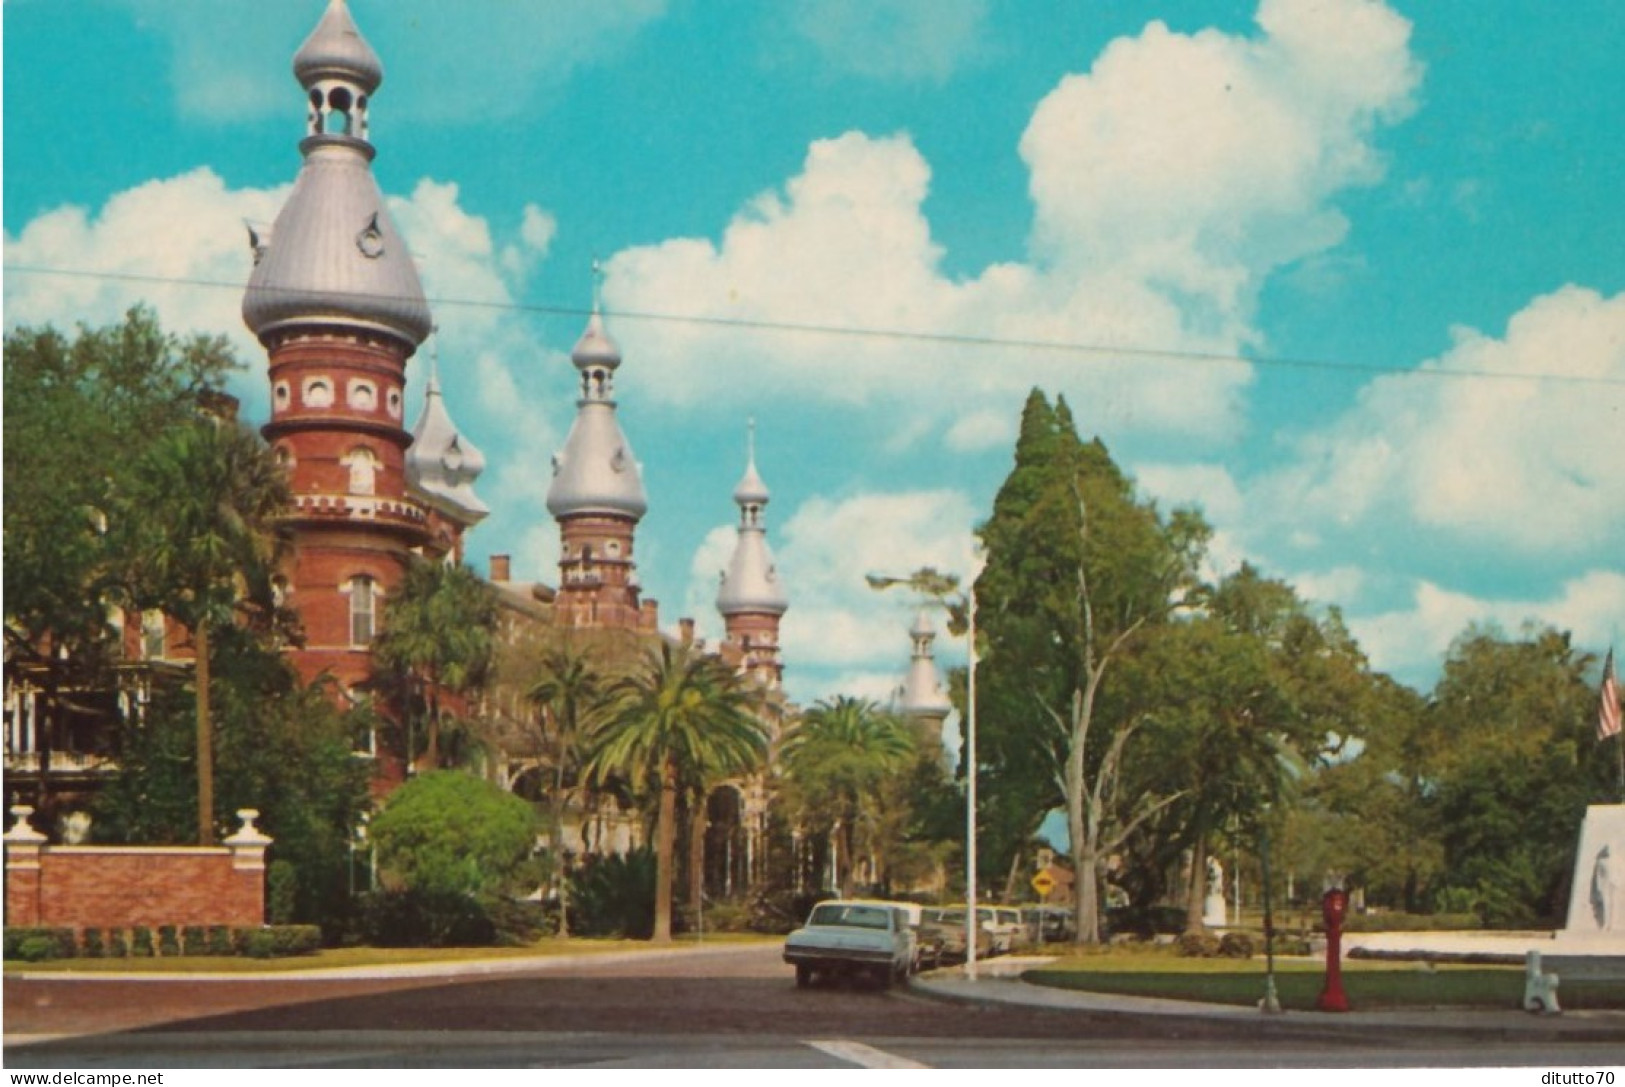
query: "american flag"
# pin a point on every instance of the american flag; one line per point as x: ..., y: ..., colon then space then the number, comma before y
x: 1608, y: 719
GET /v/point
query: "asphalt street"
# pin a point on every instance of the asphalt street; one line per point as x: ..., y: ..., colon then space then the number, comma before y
x: 734, y: 1007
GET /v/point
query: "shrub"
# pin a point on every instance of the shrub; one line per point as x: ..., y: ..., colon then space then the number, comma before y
x: 141, y: 942
x: 615, y: 896
x: 1236, y: 945
x: 220, y: 940
x: 425, y: 919
x: 94, y: 946
x: 280, y: 941
x: 281, y: 892
x: 519, y: 923
x: 41, y: 942
x: 1144, y: 922
x: 194, y: 940
x: 450, y: 833
x: 727, y: 917
x: 773, y: 912
x: 169, y: 941
x: 1197, y: 945
x: 1411, y: 922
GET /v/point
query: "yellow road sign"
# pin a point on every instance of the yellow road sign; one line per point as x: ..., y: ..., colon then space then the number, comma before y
x: 1043, y: 883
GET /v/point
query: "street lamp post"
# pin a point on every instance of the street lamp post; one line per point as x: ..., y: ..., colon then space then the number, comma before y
x: 943, y: 588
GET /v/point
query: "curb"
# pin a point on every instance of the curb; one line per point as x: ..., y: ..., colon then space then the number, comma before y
x: 406, y: 971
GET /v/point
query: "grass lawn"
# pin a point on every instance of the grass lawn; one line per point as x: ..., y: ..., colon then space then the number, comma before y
x: 353, y: 956
x: 1298, y: 982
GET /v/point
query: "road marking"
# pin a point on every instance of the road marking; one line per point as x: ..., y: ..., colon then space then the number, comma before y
x: 865, y: 1056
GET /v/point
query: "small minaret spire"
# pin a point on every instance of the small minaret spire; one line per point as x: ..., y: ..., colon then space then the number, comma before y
x: 597, y: 495
x: 751, y: 597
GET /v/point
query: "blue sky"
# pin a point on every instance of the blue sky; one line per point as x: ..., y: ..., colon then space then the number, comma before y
x: 1349, y: 275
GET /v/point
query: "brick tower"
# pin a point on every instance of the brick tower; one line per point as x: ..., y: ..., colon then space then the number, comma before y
x: 336, y: 301
x: 751, y: 597
x: 597, y: 498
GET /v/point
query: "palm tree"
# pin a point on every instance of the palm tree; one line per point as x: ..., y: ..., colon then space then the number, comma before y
x: 573, y: 696
x: 440, y: 635
x: 201, y: 539
x: 836, y: 760
x: 683, y: 716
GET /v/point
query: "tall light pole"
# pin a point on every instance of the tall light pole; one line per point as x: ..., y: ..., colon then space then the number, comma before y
x: 944, y: 588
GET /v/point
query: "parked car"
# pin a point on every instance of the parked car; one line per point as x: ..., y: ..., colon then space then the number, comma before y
x: 946, y: 924
x: 1049, y: 924
x: 852, y: 939
x: 1008, y: 926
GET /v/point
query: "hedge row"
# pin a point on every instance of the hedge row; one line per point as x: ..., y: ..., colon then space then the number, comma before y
x: 167, y: 941
x: 1411, y: 922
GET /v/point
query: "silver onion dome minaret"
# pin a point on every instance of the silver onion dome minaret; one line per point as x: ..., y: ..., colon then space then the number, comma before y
x: 751, y: 597
x: 922, y: 698
x: 595, y: 472
x: 333, y: 257
x: 442, y: 464
x: 597, y: 497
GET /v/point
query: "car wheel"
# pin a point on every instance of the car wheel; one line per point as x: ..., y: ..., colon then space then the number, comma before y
x: 804, y: 976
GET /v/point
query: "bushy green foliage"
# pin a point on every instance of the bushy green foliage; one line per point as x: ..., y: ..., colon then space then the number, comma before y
x: 37, y: 943
x: 94, y: 945
x: 449, y: 833
x: 1236, y: 945
x: 220, y: 941
x: 1197, y: 945
x: 425, y: 918
x: 1412, y: 922
x: 279, y: 941
x: 614, y: 895
x: 194, y: 940
x: 169, y: 941
x: 281, y: 892
x: 280, y: 748
x: 141, y: 942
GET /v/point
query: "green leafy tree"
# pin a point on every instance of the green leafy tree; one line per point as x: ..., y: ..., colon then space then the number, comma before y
x: 198, y: 536
x: 78, y: 414
x: 836, y: 764
x: 1079, y: 569
x: 1516, y: 761
x: 285, y: 750
x: 681, y: 716
x: 449, y: 833
x: 439, y: 636
x: 573, y: 696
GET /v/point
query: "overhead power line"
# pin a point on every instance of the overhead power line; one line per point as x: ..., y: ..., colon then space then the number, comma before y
x: 945, y: 339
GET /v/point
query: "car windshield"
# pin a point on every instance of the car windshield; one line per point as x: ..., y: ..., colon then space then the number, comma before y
x: 850, y: 916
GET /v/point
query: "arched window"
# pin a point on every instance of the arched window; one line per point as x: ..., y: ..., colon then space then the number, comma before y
x: 363, y: 610
x: 318, y: 393
x: 363, y: 464
x: 152, y: 635
x: 363, y: 396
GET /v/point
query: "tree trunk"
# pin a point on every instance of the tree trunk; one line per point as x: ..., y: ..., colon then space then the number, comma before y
x: 205, y: 739
x: 664, y: 832
x: 559, y: 872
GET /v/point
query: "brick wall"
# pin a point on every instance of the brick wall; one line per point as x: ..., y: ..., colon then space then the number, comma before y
x: 123, y: 886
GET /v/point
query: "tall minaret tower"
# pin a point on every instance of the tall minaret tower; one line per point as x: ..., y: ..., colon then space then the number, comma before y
x: 751, y: 598
x: 597, y: 498
x: 335, y: 299
x: 921, y: 698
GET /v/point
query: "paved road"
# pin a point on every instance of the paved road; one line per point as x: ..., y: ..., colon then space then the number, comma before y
x: 732, y: 1007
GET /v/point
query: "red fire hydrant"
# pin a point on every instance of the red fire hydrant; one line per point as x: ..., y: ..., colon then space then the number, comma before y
x: 1334, y: 905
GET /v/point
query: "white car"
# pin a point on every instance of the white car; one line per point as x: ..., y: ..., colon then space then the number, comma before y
x: 862, y: 939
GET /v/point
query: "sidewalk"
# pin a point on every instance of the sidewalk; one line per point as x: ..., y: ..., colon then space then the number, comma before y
x: 998, y: 982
